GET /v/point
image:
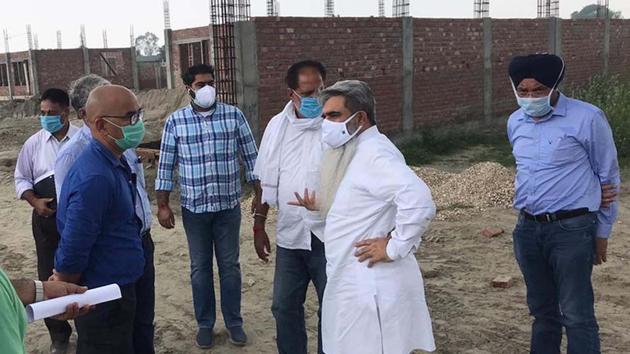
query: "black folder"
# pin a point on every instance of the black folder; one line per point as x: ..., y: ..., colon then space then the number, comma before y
x: 46, y: 189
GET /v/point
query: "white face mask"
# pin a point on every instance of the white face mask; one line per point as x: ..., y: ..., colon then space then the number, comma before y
x: 205, y: 96
x: 336, y: 134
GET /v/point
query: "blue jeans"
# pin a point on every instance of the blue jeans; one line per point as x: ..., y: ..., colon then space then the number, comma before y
x: 143, y: 329
x: 219, y: 233
x: 294, y: 270
x: 556, y: 260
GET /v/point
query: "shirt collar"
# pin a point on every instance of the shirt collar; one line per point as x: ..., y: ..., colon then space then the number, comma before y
x: 71, y: 130
x: 109, y: 156
x: 559, y: 110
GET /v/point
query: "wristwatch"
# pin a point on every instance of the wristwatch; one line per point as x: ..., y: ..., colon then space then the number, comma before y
x: 39, y: 291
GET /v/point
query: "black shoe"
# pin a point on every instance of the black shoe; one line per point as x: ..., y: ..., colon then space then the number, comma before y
x: 237, y: 336
x: 59, y: 347
x: 205, y: 338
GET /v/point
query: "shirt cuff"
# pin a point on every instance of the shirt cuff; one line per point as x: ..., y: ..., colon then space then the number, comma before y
x: 163, y: 185
x: 23, y: 189
x: 392, y: 250
x: 604, y: 230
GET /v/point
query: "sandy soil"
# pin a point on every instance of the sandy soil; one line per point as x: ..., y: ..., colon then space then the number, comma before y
x: 469, y: 316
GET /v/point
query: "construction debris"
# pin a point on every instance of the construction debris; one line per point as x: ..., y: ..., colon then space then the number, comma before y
x: 491, y: 232
x: 503, y: 282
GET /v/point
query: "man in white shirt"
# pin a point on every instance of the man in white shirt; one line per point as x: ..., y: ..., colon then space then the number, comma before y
x: 291, y: 140
x: 35, y: 183
x: 375, y: 211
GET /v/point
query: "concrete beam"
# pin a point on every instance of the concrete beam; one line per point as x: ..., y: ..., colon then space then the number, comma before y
x: 168, y: 36
x: 488, y: 112
x: 191, y: 40
x: 555, y: 36
x: 606, y: 51
x: 134, y: 69
x: 407, y: 74
x: 86, y: 60
x: 32, y: 59
x: 247, y: 77
x: 10, y: 76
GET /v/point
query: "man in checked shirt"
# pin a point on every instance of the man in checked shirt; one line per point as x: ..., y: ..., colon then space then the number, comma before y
x: 204, y: 140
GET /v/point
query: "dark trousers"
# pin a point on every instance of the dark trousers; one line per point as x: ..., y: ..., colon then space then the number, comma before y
x: 46, y: 242
x: 294, y: 270
x: 109, y: 327
x: 219, y: 233
x: 143, y: 328
x: 556, y: 260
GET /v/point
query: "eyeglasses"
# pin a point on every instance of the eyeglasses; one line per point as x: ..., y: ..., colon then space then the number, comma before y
x: 133, y: 117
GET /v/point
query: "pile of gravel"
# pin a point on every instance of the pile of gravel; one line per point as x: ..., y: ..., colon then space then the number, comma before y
x: 480, y: 187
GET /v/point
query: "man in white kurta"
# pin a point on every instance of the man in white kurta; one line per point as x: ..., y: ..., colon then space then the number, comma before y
x: 374, y: 218
x: 292, y: 139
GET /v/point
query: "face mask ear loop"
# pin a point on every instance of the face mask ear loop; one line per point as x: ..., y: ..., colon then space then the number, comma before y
x: 555, y: 85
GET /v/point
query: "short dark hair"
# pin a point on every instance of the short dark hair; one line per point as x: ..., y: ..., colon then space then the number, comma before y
x: 56, y: 95
x: 189, y: 76
x: 294, y: 71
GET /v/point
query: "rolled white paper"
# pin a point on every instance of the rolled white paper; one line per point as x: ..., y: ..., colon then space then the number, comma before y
x: 57, y: 306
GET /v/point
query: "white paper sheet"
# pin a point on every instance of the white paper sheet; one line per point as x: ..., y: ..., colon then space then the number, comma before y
x: 57, y: 306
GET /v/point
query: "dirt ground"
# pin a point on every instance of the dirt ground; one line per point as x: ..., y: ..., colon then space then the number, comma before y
x: 469, y: 316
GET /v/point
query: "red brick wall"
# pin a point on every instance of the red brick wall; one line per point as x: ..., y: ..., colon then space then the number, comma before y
x: 448, y: 71
x: 148, y: 73
x: 619, y: 57
x: 184, y: 34
x: 58, y: 67
x: 582, y: 49
x: 368, y: 49
x: 18, y: 90
x: 511, y: 38
x: 123, y: 66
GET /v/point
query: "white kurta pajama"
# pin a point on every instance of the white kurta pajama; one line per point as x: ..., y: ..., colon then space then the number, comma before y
x: 378, y: 310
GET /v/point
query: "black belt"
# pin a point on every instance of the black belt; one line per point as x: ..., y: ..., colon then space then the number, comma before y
x: 559, y: 215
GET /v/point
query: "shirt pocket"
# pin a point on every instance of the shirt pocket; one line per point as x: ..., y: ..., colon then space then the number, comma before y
x: 560, y: 149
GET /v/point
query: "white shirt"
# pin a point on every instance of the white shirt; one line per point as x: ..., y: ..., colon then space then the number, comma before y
x: 36, y: 160
x: 288, y: 161
x: 380, y: 309
x: 296, y: 173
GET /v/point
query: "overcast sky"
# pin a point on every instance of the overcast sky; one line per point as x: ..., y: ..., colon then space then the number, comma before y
x: 116, y: 16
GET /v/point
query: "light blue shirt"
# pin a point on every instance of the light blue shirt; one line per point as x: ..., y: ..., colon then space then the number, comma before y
x: 71, y: 151
x: 563, y: 159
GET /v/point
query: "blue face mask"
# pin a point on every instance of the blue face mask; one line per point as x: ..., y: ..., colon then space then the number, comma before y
x: 51, y: 124
x: 309, y: 107
x: 535, y: 107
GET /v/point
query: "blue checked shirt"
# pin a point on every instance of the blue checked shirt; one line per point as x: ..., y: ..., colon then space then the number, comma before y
x: 562, y: 160
x: 206, y: 151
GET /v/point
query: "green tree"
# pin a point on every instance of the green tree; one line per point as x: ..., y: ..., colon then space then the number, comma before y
x: 594, y: 11
x: 147, y: 44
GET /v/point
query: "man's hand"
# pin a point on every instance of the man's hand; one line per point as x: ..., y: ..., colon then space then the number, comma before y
x: 308, y: 201
x: 262, y: 244
x: 609, y: 195
x: 374, y: 250
x: 601, y: 247
x: 166, y: 217
x: 41, y: 206
x: 54, y: 289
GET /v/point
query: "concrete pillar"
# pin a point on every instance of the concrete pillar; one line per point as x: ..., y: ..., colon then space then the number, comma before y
x: 555, y: 36
x: 10, y: 77
x: 488, y: 112
x: 86, y: 60
x: 134, y: 69
x: 247, y: 78
x: 407, y: 74
x: 606, y: 51
x: 211, y: 53
x: 168, y: 39
x: 32, y: 60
